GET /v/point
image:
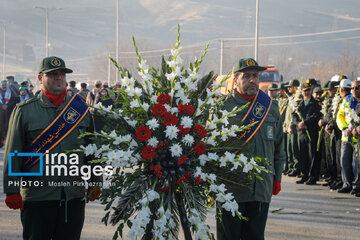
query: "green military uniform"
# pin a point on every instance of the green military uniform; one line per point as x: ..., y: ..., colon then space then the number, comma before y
x: 84, y: 93
x: 48, y: 208
x: 257, y: 193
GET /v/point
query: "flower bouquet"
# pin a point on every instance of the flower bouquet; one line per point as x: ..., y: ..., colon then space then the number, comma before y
x: 170, y: 146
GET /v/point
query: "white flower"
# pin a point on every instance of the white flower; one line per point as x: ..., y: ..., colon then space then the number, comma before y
x: 211, y: 141
x: 203, y: 159
x: 89, y: 149
x: 132, y: 122
x: 178, y: 86
x: 188, y: 140
x: 171, y: 132
x: 213, y: 156
x: 152, y: 195
x: 187, y: 122
x: 152, y: 124
x: 134, y: 103
x: 138, y: 92
x: 176, y: 150
x: 170, y: 76
x: 143, y: 65
x: 231, y: 207
x: 154, y: 99
x: 153, y: 142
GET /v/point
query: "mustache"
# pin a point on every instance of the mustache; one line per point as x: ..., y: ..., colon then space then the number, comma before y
x: 251, y: 85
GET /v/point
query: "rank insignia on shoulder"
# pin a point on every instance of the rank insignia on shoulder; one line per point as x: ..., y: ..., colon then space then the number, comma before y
x: 270, y: 132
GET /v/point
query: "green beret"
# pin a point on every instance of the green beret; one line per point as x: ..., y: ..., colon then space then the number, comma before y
x: 53, y: 63
x: 4, y: 82
x: 247, y: 64
x: 23, y: 87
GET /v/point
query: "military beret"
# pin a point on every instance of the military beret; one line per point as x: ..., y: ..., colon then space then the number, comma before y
x: 53, y: 63
x: 247, y: 64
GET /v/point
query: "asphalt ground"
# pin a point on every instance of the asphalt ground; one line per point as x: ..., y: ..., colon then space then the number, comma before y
x: 297, y: 212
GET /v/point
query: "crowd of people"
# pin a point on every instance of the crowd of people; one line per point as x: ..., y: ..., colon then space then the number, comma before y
x: 321, y: 130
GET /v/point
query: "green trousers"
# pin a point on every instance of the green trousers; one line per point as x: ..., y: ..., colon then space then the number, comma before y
x: 293, y: 152
x: 45, y: 220
x: 232, y: 228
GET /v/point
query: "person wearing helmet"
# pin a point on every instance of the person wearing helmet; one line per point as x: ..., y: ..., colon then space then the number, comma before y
x: 345, y: 124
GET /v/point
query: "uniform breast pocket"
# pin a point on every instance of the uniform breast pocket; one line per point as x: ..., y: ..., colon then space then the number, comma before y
x: 270, y: 124
x: 35, y: 129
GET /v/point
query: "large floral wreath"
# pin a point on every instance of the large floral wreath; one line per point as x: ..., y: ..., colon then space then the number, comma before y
x: 169, y: 143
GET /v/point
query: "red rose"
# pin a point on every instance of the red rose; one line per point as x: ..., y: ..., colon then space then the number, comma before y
x: 164, y: 189
x: 187, y: 175
x: 161, y: 145
x: 164, y: 99
x: 148, y: 152
x: 158, y: 174
x: 159, y: 110
x: 198, y: 180
x: 200, y: 131
x: 183, y: 131
x: 199, y: 148
x: 143, y: 133
x: 182, y: 160
x: 186, y: 110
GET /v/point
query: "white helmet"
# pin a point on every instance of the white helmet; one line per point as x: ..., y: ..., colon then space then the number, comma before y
x: 345, y: 83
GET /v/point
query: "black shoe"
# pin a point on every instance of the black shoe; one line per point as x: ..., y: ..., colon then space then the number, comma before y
x: 300, y: 175
x: 293, y: 174
x: 355, y: 191
x: 336, y: 185
x: 330, y: 183
x: 345, y: 190
x: 301, y: 181
x: 311, y: 181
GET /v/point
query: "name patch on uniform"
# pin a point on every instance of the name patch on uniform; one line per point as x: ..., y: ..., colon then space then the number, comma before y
x: 270, y: 132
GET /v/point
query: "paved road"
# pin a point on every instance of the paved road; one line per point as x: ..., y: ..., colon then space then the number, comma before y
x: 298, y: 212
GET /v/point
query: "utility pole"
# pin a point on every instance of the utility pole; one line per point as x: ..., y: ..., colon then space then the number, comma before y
x: 4, y: 52
x: 47, y: 27
x: 221, y: 55
x: 257, y: 30
x: 117, y: 40
x: 109, y: 70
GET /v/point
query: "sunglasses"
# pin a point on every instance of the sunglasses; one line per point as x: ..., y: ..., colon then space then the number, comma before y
x: 356, y: 88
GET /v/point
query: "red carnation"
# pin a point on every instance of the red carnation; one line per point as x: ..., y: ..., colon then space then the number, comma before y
x: 198, y: 180
x: 148, y: 152
x: 200, y: 131
x: 199, y: 148
x: 158, y: 174
x: 164, y: 189
x: 187, y: 175
x: 157, y: 168
x: 182, y: 160
x: 143, y: 133
x: 164, y: 99
x: 170, y: 120
x: 161, y: 145
x: 159, y: 110
x: 186, y: 110
x: 183, y: 131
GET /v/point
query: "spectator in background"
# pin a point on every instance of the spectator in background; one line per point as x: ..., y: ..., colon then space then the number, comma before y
x: 24, y: 93
x: 73, y: 88
x: 8, y: 100
x: 105, y: 99
x: 84, y: 91
x: 70, y: 92
x: 13, y: 85
x: 90, y: 98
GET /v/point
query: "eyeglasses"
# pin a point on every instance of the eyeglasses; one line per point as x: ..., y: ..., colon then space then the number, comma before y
x: 249, y: 75
x: 356, y: 88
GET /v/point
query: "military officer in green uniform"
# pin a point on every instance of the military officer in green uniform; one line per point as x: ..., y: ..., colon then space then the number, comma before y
x: 266, y: 141
x: 52, y: 205
x: 290, y: 130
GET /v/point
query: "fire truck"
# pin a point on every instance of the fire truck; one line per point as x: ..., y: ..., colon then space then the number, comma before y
x: 270, y: 75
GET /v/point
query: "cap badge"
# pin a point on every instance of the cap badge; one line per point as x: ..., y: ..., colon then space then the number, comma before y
x: 250, y: 62
x: 55, y: 62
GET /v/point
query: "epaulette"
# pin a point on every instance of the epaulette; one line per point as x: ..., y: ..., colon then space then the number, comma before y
x: 27, y: 101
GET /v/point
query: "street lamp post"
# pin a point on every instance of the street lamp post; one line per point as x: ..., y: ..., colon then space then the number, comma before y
x: 257, y: 30
x: 4, y: 53
x: 117, y: 39
x: 47, y: 26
